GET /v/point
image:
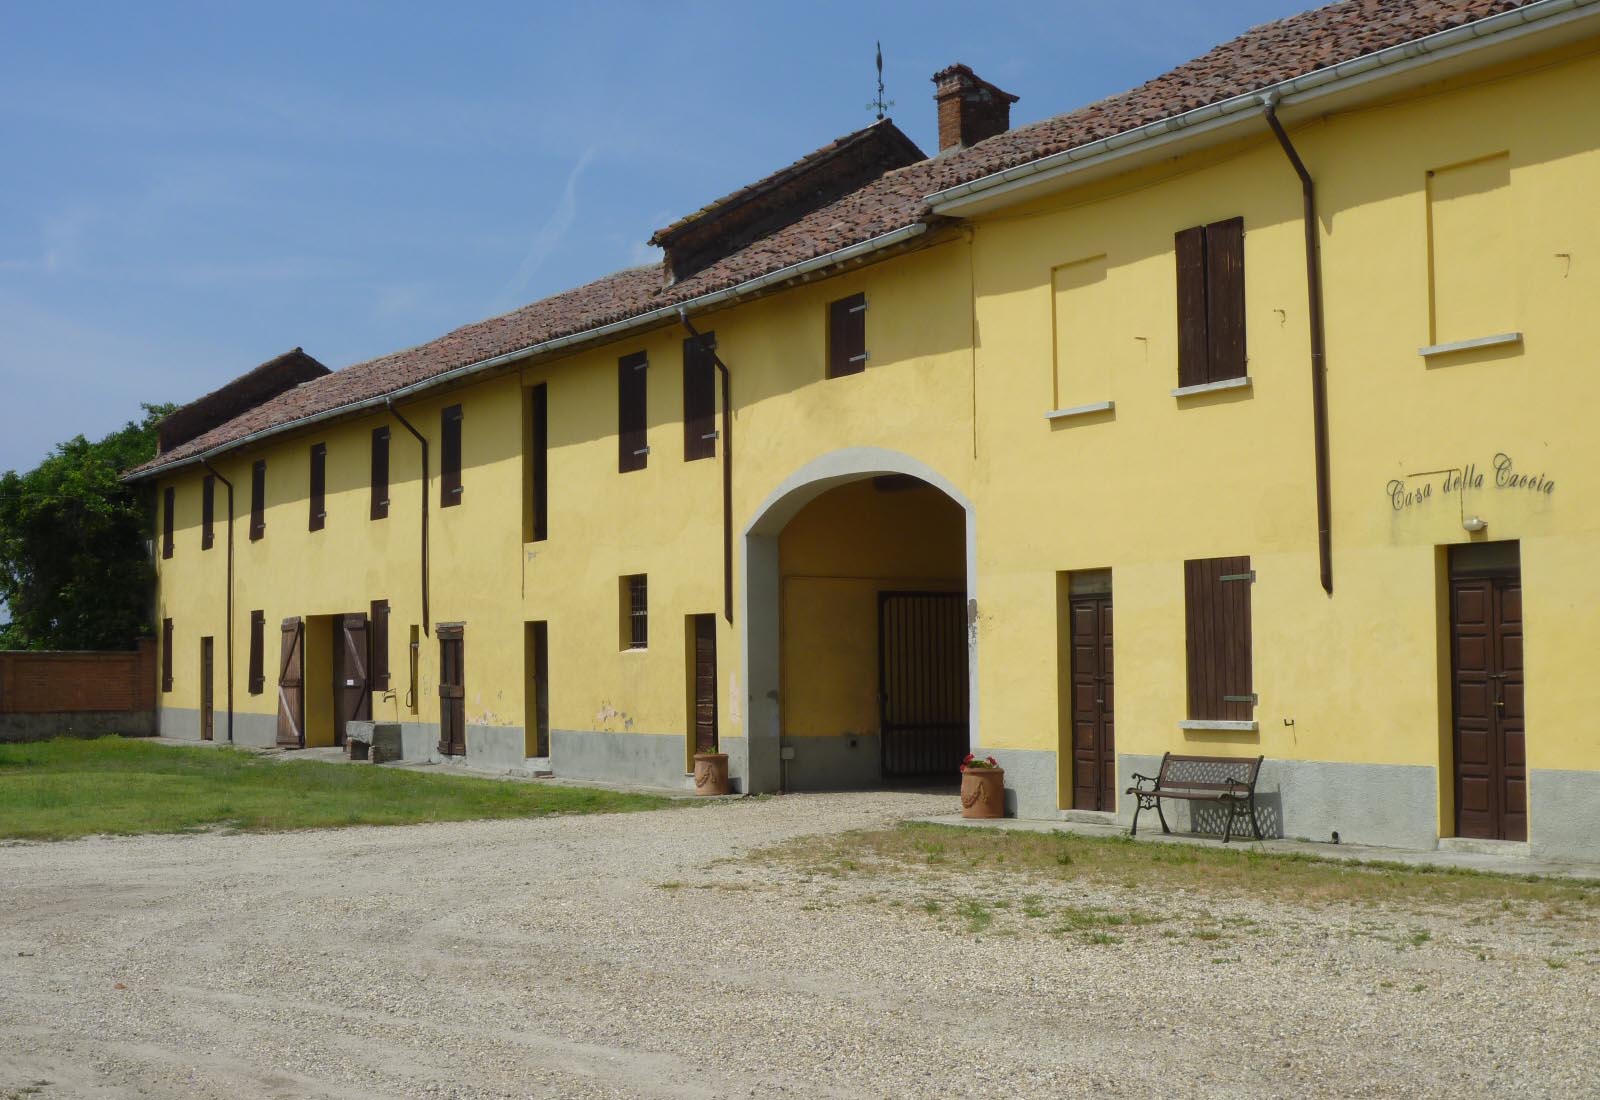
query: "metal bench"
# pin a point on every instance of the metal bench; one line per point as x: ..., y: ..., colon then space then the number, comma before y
x: 1224, y: 779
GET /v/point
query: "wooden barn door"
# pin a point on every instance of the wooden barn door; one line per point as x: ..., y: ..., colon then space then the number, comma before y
x: 705, y: 683
x: 207, y: 690
x: 1094, y: 753
x: 352, y: 689
x: 922, y: 675
x: 452, y: 692
x: 291, y: 686
x: 1491, y: 769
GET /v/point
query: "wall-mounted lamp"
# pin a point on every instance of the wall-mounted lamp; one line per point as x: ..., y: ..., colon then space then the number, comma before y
x: 1474, y: 524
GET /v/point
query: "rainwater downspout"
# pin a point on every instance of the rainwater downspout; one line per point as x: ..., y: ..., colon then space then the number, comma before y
x: 1319, y: 356
x: 727, y: 468
x: 394, y: 412
x: 212, y: 470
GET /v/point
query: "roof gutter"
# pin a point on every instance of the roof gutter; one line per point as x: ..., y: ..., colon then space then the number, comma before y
x: 1539, y: 15
x: 661, y: 315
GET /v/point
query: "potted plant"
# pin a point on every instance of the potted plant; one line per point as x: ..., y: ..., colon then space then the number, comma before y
x: 711, y: 772
x: 983, y: 787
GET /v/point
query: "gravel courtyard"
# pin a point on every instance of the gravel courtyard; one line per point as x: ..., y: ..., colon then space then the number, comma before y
x: 643, y: 955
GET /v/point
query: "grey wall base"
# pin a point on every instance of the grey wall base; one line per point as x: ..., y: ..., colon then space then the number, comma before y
x: 1388, y: 805
x: 649, y: 760
x: 1564, y: 814
x: 832, y: 763
x: 93, y: 723
x: 181, y: 722
x: 1030, y: 781
x: 256, y: 731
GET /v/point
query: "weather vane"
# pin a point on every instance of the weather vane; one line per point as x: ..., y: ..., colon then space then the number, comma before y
x: 880, y: 104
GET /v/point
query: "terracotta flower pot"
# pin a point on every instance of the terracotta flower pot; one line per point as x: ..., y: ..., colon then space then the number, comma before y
x: 710, y: 773
x: 983, y: 792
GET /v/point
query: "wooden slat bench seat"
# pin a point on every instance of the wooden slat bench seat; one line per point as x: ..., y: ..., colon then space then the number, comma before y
x: 1225, y: 779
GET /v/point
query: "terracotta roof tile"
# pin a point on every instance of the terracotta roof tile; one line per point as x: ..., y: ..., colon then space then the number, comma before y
x: 1265, y: 55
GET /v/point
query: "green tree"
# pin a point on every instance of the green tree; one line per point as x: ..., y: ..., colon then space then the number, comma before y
x: 75, y: 569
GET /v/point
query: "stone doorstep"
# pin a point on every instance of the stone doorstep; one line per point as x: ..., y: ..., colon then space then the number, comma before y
x: 1500, y: 860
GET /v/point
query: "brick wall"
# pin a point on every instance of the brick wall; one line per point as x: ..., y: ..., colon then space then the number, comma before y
x: 78, y: 683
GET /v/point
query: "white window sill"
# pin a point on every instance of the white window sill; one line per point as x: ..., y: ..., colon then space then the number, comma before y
x: 1081, y: 410
x: 1498, y: 340
x: 1213, y: 387
x: 1217, y: 725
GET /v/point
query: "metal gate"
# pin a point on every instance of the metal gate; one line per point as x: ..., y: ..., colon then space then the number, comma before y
x: 922, y: 682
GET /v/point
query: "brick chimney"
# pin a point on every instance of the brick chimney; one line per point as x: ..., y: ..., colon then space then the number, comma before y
x: 970, y: 108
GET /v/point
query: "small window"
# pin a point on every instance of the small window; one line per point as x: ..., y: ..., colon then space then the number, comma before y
x: 258, y: 499
x: 635, y: 612
x: 539, y: 463
x: 258, y: 643
x: 1217, y: 613
x: 166, y: 653
x: 699, y: 397
x: 169, y: 497
x: 633, y: 438
x: 319, y: 485
x: 208, y: 512
x: 450, y: 458
x: 380, y: 473
x: 380, y: 645
x: 847, y: 336
x: 1211, y: 303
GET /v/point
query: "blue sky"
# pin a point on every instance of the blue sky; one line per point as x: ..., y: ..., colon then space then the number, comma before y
x: 189, y: 190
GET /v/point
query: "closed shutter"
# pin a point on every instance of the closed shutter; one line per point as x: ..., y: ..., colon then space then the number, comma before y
x: 633, y: 446
x: 380, y: 645
x: 699, y: 398
x: 847, y: 336
x: 1217, y: 611
x: 450, y: 459
x: 380, y: 473
x: 319, y: 485
x: 169, y: 497
x: 258, y: 641
x: 539, y: 457
x: 258, y: 499
x: 208, y: 511
x: 1193, y: 346
x: 1225, y: 299
x: 166, y: 654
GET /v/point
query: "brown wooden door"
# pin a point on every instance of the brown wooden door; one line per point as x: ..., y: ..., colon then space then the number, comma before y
x: 452, y: 693
x: 1094, y: 753
x: 1491, y: 770
x: 922, y: 678
x: 207, y: 700
x: 291, y: 686
x: 352, y: 686
x: 705, y: 683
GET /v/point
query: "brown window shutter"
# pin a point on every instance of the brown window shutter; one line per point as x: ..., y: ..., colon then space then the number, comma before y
x: 699, y: 398
x: 847, y: 336
x: 380, y: 473
x: 258, y: 499
x: 258, y: 641
x: 1225, y: 299
x: 379, y: 665
x: 1217, y: 614
x: 208, y: 512
x: 1193, y: 345
x: 633, y: 437
x: 539, y: 457
x: 166, y: 654
x: 450, y: 456
x: 169, y: 497
x: 319, y: 485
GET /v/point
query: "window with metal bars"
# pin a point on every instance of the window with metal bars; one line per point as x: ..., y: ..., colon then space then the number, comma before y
x: 635, y: 612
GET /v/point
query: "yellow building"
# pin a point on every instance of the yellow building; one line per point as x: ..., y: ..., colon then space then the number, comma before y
x: 852, y: 481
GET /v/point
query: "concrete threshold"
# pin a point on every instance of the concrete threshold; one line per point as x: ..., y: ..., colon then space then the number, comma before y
x: 1500, y: 862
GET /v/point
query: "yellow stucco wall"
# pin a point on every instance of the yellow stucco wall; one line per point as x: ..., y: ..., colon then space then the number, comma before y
x: 972, y: 341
